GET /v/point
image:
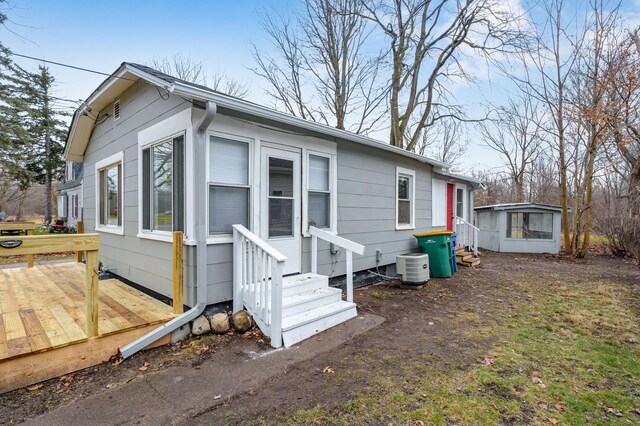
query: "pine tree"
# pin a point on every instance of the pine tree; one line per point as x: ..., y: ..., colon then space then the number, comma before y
x: 15, y: 178
x: 44, y: 146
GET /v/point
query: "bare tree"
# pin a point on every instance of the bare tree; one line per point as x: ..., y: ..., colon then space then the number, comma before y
x: 446, y: 141
x: 548, y: 65
x: 624, y: 104
x: 426, y: 42
x: 591, y: 107
x: 318, y: 70
x: 180, y: 66
x: 220, y: 82
x: 516, y: 136
x: 187, y: 69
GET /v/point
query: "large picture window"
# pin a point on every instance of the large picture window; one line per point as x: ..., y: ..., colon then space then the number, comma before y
x: 229, y: 188
x: 163, y: 186
x: 109, y: 186
x: 405, y: 196
x: 537, y: 226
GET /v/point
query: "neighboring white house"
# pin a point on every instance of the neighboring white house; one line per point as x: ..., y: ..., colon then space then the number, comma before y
x: 166, y: 155
x: 70, y: 194
x: 519, y: 227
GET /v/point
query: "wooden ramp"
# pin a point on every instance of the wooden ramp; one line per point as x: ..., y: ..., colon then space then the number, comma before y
x: 43, y: 322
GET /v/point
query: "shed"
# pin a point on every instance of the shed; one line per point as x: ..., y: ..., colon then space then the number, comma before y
x: 519, y: 227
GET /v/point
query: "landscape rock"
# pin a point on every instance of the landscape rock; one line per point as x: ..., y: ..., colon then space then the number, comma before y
x: 200, y: 326
x: 219, y: 323
x: 180, y: 334
x: 241, y: 321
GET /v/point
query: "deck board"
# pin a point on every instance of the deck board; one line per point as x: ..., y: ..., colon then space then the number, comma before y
x: 42, y: 308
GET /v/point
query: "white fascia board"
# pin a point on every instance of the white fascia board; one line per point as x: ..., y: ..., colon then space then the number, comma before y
x: 91, y: 102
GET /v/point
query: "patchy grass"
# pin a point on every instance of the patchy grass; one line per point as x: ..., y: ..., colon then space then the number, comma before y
x: 566, y: 354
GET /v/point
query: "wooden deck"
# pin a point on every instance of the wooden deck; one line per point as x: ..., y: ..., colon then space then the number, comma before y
x: 42, y: 310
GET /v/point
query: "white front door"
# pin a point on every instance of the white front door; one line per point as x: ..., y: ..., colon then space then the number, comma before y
x: 281, y: 203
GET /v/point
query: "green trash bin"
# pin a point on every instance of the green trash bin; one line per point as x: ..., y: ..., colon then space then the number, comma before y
x: 437, y: 244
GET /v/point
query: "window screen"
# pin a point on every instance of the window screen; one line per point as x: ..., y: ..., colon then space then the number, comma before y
x: 229, y: 190
x: 530, y: 225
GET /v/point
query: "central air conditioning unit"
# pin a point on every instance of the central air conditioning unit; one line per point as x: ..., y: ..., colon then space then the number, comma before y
x: 413, y: 268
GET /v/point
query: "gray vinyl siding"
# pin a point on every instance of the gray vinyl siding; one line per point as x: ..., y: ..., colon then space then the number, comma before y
x: 143, y: 261
x: 367, y: 209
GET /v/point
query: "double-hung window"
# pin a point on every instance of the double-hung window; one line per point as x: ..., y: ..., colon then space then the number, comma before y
x: 163, y: 186
x: 319, y: 191
x: 229, y: 184
x: 460, y: 203
x: 109, y: 189
x: 405, y: 198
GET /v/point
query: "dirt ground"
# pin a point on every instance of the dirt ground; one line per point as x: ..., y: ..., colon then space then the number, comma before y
x: 500, y: 343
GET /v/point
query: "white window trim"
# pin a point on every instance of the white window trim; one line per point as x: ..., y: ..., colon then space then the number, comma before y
x: 401, y: 171
x: 228, y: 238
x: 333, y: 189
x: 154, y: 234
x: 176, y: 125
x: 114, y: 159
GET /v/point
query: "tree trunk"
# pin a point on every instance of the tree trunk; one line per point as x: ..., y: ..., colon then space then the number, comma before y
x: 589, y: 193
x: 634, y: 190
x: 563, y: 180
x: 48, y: 209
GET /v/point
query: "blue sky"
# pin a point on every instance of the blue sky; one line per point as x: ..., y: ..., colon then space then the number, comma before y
x: 101, y: 35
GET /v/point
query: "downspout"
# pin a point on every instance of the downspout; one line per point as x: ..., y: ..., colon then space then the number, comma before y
x: 200, y: 215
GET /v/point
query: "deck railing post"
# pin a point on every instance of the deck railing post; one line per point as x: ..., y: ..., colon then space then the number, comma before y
x: 91, y: 302
x: 178, y: 274
x: 237, y: 271
x: 314, y: 254
x: 276, y: 304
x: 80, y: 230
x: 29, y: 256
x: 349, y: 276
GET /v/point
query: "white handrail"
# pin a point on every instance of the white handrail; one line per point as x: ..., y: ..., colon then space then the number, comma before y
x: 467, y: 235
x: 337, y: 240
x: 348, y: 245
x: 257, y: 281
x: 275, y: 254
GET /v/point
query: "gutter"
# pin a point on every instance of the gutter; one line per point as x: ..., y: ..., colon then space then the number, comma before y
x: 199, y: 147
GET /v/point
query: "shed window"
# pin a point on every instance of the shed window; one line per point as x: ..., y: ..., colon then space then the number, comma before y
x: 163, y: 186
x: 405, y: 193
x: 537, y: 226
x: 229, y: 189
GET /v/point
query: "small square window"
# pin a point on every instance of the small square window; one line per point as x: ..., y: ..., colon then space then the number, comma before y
x: 405, y: 194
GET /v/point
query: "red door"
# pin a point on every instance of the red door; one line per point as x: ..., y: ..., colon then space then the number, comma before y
x: 450, y: 192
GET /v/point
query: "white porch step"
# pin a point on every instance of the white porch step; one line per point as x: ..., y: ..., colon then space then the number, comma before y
x: 301, y: 283
x: 302, y: 302
x: 303, y: 325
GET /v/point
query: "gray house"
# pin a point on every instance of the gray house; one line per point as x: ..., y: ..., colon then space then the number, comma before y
x: 519, y: 227
x: 265, y: 199
x: 70, y: 194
